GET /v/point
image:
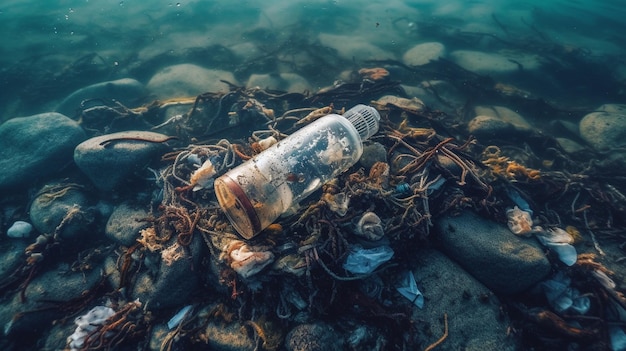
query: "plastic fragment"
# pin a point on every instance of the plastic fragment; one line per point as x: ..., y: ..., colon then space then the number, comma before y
x: 408, y: 288
x: 618, y: 338
x: 559, y: 241
x: 88, y: 323
x: 365, y: 261
x: 562, y: 297
x: 178, y: 317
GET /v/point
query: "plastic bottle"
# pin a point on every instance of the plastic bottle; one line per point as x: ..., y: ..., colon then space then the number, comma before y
x: 258, y: 191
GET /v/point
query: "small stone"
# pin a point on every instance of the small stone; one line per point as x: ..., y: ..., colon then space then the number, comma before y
x: 372, y: 153
x: 188, y: 80
x: 58, y: 204
x: 125, y: 223
x: 36, y: 147
x: 502, y: 261
x: 127, y: 91
x: 351, y: 48
x: 422, y: 54
x: 569, y: 146
x: 494, y: 63
x: 109, y: 160
x: 19, y: 229
x: 605, y: 129
x: 313, y: 337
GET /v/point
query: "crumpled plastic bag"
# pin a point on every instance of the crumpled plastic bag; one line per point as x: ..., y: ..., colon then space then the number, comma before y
x: 365, y: 261
x: 408, y: 288
x: 562, y: 297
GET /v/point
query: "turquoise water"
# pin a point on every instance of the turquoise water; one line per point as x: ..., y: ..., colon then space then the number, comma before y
x: 49, y: 50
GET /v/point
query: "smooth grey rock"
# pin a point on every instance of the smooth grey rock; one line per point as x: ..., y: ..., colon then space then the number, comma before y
x: 56, y: 203
x: 126, y: 90
x: 188, y: 80
x: 422, y: 54
x: 605, y: 129
x: 313, y: 337
x: 351, y: 48
x: 372, y: 153
x: 290, y: 82
x: 125, y: 223
x: 495, y: 63
x: 470, y: 306
x: 35, y: 147
x: 497, y: 122
x: 569, y: 146
x: 110, y: 159
x: 502, y: 261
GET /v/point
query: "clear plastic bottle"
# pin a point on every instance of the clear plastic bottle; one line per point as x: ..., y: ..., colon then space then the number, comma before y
x: 258, y: 191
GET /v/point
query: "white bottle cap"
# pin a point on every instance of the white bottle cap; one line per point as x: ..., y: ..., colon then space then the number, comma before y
x: 365, y: 120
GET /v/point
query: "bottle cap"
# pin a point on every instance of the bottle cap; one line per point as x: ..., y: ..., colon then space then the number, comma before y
x: 365, y: 120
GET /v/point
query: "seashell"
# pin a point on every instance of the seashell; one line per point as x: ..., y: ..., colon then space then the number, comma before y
x: 245, y: 261
x: 339, y: 203
x: 519, y: 222
x: 370, y: 227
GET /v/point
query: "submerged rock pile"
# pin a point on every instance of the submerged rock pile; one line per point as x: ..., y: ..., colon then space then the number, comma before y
x: 408, y: 248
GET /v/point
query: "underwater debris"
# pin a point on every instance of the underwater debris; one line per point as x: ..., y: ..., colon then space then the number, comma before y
x: 370, y: 227
x: 376, y: 73
x: 244, y: 259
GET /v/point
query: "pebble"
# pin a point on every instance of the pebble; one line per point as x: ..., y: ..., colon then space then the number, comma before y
x: 373, y: 152
x: 56, y: 203
x: 497, y: 122
x: 20, y: 229
x: 505, y: 263
x: 111, y: 159
x: 289, y: 82
x: 125, y: 223
x: 494, y: 63
x: 313, y: 337
x: 605, y: 128
x: 471, y: 307
x: 126, y: 90
x: 187, y: 80
x: 422, y: 54
x: 35, y: 147
x: 351, y: 48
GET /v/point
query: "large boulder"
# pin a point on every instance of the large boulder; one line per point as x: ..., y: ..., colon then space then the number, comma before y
x: 36, y: 147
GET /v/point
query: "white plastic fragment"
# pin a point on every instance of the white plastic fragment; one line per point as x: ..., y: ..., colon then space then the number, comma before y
x: 86, y: 324
x: 179, y: 317
x: 244, y: 260
x: 365, y: 261
x: 603, y: 279
x: 408, y: 288
x: 202, y: 177
x: 19, y: 229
